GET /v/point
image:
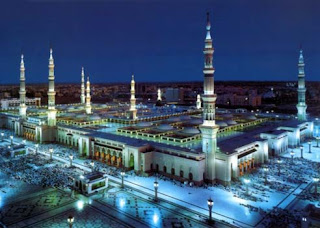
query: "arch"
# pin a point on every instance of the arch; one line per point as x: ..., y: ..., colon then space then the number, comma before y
x: 165, y: 169
x: 190, y: 176
x: 173, y: 171
x: 157, y: 168
x: 151, y: 166
x: 131, y: 161
x: 181, y: 173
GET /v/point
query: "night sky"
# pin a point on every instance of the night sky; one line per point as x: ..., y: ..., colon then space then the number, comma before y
x: 159, y: 40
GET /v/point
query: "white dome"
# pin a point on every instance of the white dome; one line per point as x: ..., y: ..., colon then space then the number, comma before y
x: 144, y: 124
x: 231, y: 122
x: 185, y: 118
x: 221, y: 123
x: 191, y: 130
x: 196, y: 121
x: 174, y: 119
x: 228, y: 115
x: 165, y: 127
x: 251, y: 118
x: 94, y: 118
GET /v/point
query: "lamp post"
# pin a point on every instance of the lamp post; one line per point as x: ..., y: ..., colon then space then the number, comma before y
x: 11, y: 139
x: 71, y: 158
x: 70, y: 220
x: 92, y: 165
x: 309, y: 146
x: 279, y: 162
x: 156, y: 185
x: 315, y: 180
x: 292, y: 154
x: 265, y: 169
x: 51, y: 152
x: 301, y: 150
x: 37, y: 145
x: 122, y: 177
x: 247, y: 181
x: 2, y: 134
x: 210, y: 205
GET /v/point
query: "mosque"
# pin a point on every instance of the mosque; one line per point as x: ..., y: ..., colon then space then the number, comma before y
x: 194, y: 144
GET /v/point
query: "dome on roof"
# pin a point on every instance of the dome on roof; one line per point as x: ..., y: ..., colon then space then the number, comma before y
x: 185, y: 118
x: 221, y: 123
x: 231, y: 122
x: 81, y: 115
x: 71, y: 108
x: 94, y: 117
x: 165, y: 127
x: 196, y: 121
x: 251, y: 117
x: 103, y: 105
x: 174, y: 119
x: 191, y: 130
x: 144, y: 124
x: 227, y: 115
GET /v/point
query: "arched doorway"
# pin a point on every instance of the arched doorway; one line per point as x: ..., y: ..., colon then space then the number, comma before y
x: 131, y: 161
x: 151, y: 166
x: 165, y: 169
x: 190, y: 176
x: 181, y: 173
x: 173, y: 171
x: 157, y: 168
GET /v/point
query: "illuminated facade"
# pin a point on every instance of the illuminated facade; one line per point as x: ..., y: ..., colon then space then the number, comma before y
x: 198, y: 101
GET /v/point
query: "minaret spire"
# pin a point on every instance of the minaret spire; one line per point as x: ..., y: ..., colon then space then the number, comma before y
x: 88, y: 98
x: 51, y: 93
x: 301, y: 106
x: 209, y: 129
x: 22, y: 92
x: 83, y: 96
x: 133, y: 110
x: 198, y: 101
x: 159, y: 98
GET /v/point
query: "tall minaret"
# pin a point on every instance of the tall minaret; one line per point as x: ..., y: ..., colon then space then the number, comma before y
x: 159, y: 98
x: 88, y: 98
x: 198, y: 101
x: 52, y: 112
x: 22, y: 92
x: 301, y: 106
x: 83, y: 96
x: 133, y: 110
x: 209, y: 129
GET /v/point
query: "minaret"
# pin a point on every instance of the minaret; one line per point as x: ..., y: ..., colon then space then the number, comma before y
x: 52, y: 112
x: 88, y: 98
x: 133, y: 110
x: 301, y: 106
x: 159, y: 98
x: 22, y: 92
x: 209, y: 129
x: 83, y: 96
x: 198, y: 101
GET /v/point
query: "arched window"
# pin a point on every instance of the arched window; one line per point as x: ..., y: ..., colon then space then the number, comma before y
x: 157, y: 168
x: 190, y: 176
x: 173, y: 171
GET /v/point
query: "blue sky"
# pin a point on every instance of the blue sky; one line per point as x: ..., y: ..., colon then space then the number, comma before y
x: 159, y: 40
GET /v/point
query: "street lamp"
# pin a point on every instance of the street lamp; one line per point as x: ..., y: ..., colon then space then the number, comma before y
x: 2, y: 134
x: 37, y: 145
x: 51, y: 152
x: 210, y: 205
x: 122, y: 177
x: 247, y: 181
x: 156, y: 185
x: 279, y: 162
x: 301, y: 150
x: 315, y: 180
x: 70, y: 220
x: 71, y: 158
x: 292, y: 154
x: 265, y: 169
x: 309, y: 146
x: 92, y: 165
x: 11, y: 139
